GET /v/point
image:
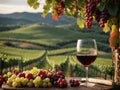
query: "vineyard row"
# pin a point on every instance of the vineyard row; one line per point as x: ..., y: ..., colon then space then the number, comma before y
x: 69, y: 65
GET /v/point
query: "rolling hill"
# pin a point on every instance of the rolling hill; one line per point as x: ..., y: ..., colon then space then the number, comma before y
x: 25, y: 18
x: 56, y: 37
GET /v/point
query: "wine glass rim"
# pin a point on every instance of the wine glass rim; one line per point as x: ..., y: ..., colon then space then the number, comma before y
x: 86, y: 39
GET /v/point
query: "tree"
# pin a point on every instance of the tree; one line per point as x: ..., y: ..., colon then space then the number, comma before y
x: 104, y: 12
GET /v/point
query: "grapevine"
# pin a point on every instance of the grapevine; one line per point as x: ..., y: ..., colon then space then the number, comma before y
x: 86, y: 12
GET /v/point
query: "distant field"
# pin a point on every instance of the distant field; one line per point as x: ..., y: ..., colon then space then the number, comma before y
x: 59, y: 42
x: 39, y: 34
x: 20, y: 53
x: 56, y: 60
x: 49, y: 35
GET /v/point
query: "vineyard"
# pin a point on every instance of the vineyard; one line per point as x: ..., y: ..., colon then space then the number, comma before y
x: 54, y: 59
x: 52, y: 48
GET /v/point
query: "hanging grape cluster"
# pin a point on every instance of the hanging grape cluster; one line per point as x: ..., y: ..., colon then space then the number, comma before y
x: 59, y: 9
x: 91, y: 11
x: 68, y: 7
x: 103, y: 18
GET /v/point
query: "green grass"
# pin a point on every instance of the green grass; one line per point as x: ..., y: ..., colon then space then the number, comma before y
x: 21, y: 53
x: 103, y: 61
x: 56, y: 60
x: 61, y: 51
x: 73, y: 60
x: 39, y: 34
x: 51, y: 36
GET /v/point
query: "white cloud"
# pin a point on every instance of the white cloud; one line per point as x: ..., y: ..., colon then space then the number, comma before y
x: 13, y: 2
x: 10, y: 6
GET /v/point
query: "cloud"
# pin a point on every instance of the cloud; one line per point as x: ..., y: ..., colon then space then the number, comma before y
x: 15, y: 8
x: 13, y: 2
x: 10, y: 6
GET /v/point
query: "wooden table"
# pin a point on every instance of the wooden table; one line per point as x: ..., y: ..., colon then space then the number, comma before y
x: 97, y: 86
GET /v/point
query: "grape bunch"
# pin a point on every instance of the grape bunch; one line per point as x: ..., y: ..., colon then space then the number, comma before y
x: 34, y: 78
x: 97, y: 15
x: 2, y: 80
x: 38, y: 78
x: 104, y: 16
x: 92, y: 10
x: 74, y: 83
x: 29, y: 79
x: 61, y: 83
x: 42, y: 74
x: 59, y: 8
x: 89, y: 10
x: 58, y: 79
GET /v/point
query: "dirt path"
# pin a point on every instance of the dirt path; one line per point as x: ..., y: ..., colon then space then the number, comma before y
x: 20, y: 44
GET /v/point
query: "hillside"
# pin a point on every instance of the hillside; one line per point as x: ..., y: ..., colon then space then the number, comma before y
x: 25, y: 18
x: 14, y: 21
x: 56, y: 37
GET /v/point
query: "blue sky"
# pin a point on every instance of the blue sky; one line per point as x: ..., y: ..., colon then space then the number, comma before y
x: 10, y: 6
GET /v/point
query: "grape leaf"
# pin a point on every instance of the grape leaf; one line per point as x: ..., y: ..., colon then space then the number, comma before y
x: 46, y: 10
x: 113, y: 10
x: 67, y: 2
x: 102, y: 5
x: 106, y: 28
x: 81, y: 3
x: 113, y: 28
x: 31, y: 2
x: 80, y: 22
x: 36, y: 5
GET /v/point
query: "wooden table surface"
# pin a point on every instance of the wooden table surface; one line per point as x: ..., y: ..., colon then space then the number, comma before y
x: 97, y: 86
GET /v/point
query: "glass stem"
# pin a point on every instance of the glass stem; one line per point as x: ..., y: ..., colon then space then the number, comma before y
x: 86, y: 76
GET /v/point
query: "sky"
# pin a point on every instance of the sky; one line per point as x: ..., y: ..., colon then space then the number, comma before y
x: 10, y: 6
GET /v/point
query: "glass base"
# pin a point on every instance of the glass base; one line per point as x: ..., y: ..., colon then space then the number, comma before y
x: 87, y: 84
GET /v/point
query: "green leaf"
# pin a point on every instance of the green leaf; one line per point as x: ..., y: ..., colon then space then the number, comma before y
x: 81, y: 22
x: 46, y: 10
x: 68, y: 2
x: 31, y: 2
x: 106, y: 28
x: 113, y: 9
x: 36, y: 5
x: 102, y: 5
x: 67, y: 12
x: 81, y: 3
x: 113, y: 28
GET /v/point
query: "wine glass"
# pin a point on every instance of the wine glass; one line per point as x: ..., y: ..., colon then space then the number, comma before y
x: 86, y: 54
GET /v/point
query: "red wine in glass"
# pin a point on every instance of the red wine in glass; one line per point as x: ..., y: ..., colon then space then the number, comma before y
x: 86, y: 53
x: 86, y: 60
